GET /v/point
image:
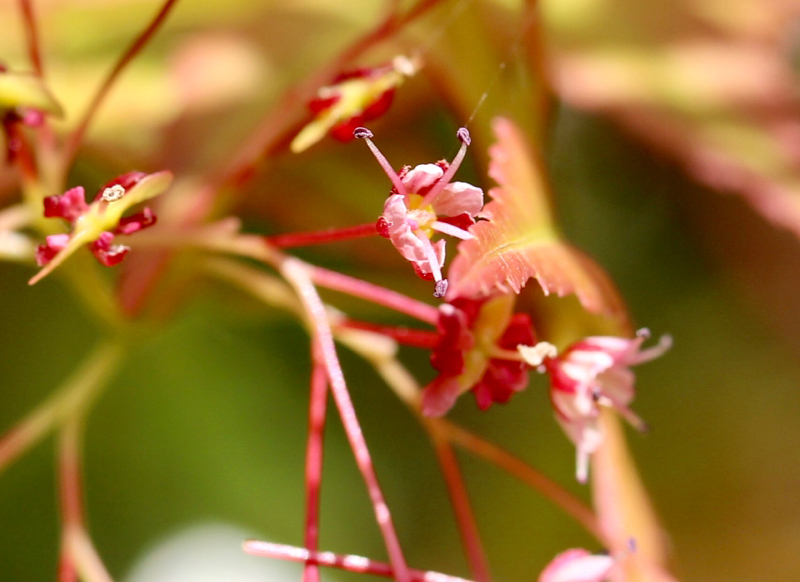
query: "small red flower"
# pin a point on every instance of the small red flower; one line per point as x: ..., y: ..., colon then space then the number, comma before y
x: 478, y: 342
x: 353, y: 98
x: 96, y: 224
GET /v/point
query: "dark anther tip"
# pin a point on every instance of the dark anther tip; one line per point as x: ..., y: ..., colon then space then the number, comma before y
x: 440, y: 289
x: 362, y: 133
x: 463, y: 136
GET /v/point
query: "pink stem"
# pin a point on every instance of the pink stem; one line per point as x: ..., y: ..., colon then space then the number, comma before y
x: 69, y: 495
x: 32, y: 36
x: 76, y: 137
x: 314, y: 452
x: 459, y: 499
x: 301, y: 239
x: 375, y: 293
x: 297, y: 274
x: 418, y: 338
x: 347, y: 562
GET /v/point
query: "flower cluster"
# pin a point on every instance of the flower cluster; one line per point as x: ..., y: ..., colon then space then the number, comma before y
x: 353, y: 98
x: 97, y: 224
x: 475, y: 335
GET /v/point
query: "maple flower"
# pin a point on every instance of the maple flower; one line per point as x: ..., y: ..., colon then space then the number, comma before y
x: 595, y: 372
x: 354, y: 98
x: 578, y: 565
x: 424, y: 201
x: 475, y: 352
x: 97, y: 224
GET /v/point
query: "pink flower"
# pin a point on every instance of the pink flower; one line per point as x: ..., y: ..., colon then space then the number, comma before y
x: 591, y: 373
x: 424, y: 201
x: 476, y: 350
x: 578, y: 565
x: 96, y: 224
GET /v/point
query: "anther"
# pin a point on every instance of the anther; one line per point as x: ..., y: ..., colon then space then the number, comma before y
x: 463, y: 136
x: 362, y: 133
x: 440, y: 289
x: 115, y: 192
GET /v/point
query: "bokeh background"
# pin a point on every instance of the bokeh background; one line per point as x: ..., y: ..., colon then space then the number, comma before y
x: 674, y: 159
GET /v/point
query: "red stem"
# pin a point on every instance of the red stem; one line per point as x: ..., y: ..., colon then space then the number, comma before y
x: 350, y: 563
x: 296, y: 273
x: 418, y: 338
x: 376, y: 294
x: 76, y: 137
x: 32, y: 36
x: 69, y: 468
x: 459, y: 499
x: 301, y: 239
x: 314, y: 454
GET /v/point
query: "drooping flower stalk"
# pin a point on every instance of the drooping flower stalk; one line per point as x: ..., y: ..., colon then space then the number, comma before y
x: 79, y: 555
x: 317, y: 408
x: 296, y: 273
x: 77, y: 392
x: 459, y: 499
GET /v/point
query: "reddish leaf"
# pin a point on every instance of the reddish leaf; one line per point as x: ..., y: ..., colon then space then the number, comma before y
x: 519, y: 239
x: 624, y: 509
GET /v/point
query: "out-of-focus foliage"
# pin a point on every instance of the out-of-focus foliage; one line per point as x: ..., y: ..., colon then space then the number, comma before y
x: 207, y: 419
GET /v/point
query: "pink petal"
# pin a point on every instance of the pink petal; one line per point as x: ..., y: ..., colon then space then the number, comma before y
x: 421, y: 178
x: 136, y: 222
x: 69, y: 205
x: 54, y: 244
x: 440, y: 395
x: 577, y: 565
x: 109, y: 255
x: 459, y: 198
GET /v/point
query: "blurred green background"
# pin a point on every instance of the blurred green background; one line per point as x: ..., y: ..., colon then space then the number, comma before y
x: 207, y: 420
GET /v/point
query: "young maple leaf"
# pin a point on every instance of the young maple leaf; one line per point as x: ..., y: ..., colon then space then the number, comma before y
x: 519, y: 240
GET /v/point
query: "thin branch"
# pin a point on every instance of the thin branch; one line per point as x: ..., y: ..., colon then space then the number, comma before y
x: 296, y: 273
x: 77, y: 135
x: 459, y: 499
x: 78, y: 552
x: 317, y: 409
x: 82, y: 386
x: 348, y: 562
x: 573, y: 506
x: 32, y: 36
x: 302, y: 239
x: 376, y: 294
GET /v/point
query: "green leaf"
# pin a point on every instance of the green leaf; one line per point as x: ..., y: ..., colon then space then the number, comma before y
x: 27, y: 90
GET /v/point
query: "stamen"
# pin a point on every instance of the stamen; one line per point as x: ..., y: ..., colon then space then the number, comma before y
x: 430, y: 254
x: 465, y: 139
x: 452, y: 230
x: 365, y: 134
